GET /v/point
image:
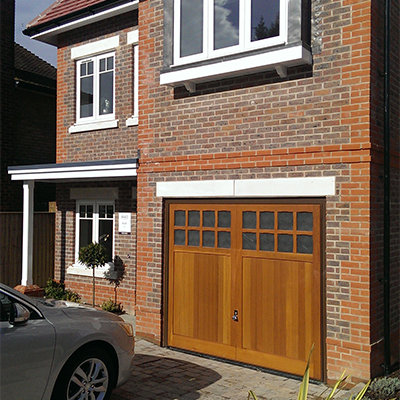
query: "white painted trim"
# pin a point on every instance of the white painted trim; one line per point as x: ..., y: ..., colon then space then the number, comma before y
x: 196, y: 189
x: 282, y: 187
x: 132, y: 121
x: 50, y: 36
x: 133, y: 37
x: 82, y: 270
x: 94, y: 126
x: 92, y: 48
x: 27, y: 233
x: 78, y: 172
x: 94, y: 193
x: 288, y: 56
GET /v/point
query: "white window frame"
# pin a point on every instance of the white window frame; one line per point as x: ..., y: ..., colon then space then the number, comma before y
x: 78, y: 268
x: 133, y: 39
x: 245, y: 43
x: 96, y: 90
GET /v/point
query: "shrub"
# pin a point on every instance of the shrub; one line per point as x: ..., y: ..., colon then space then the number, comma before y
x: 112, y: 306
x: 56, y: 290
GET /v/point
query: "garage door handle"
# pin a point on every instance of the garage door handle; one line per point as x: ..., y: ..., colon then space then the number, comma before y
x: 235, y: 316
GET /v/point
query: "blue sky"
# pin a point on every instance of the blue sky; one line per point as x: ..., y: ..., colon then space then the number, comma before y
x: 26, y: 11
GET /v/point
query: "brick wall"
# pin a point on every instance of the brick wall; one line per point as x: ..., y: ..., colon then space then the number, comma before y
x: 316, y: 122
x: 117, y: 143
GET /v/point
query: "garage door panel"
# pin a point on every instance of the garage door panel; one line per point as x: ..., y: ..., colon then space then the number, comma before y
x: 202, y: 296
x: 260, y: 261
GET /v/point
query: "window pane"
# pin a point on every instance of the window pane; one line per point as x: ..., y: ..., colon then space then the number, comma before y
x: 85, y: 232
x: 106, y: 236
x: 89, y: 211
x: 208, y: 239
x: 86, y: 97
x: 194, y: 238
x: 249, y: 241
x: 226, y: 23
x: 179, y: 237
x: 110, y: 63
x: 102, y: 211
x: 110, y: 211
x: 305, y: 221
x: 224, y: 219
x: 285, y: 221
x: 82, y: 211
x: 267, y: 242
x: 102, y: 65
x: 249, y: 220
x: 194, y: 218
x: 267, y: 220
x: 224, y: 240
x: 209, y: 219
x: 191, y: 39
x: 264, y: 19
x: 106, y: 93
x: 285, y: 243
x: 304, y: 244
x: 180, y: 218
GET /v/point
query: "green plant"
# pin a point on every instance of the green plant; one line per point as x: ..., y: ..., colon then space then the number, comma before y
x: 387, y: 387
x: 112, y: 306
x: 93, y: 255
x: 303, y: 391
x: 56, y: 290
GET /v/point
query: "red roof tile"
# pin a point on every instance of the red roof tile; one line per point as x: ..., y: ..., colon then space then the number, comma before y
x: 62, y: 8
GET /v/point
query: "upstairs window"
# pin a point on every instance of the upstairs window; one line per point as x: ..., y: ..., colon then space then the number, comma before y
x: 95, y: 88
x: 205, y: 29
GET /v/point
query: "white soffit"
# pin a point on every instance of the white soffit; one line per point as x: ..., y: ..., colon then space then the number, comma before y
x: 50, y: 35
x: 285, y: 187
x: 70, y: 171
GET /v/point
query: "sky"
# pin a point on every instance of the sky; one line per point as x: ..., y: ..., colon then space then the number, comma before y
x: 26, y: 11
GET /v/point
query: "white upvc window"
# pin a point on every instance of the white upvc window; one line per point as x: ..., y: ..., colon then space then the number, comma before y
x: 96, y: 88
x: 205, y: 29
x: 95, y: 223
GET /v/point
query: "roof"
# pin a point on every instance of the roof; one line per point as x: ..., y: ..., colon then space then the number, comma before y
x: 26, y: 61
x: 61, y: 8
x: 65, y: 15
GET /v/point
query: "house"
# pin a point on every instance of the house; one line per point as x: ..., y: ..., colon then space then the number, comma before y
x: 27, y: 137
x: 240, y: 159
x: 28, y: 114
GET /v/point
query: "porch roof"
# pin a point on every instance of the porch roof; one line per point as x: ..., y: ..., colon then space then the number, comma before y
x: 90, y: 170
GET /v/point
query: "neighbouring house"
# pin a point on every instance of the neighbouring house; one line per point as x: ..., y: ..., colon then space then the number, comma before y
x: 240, y: 161
x: 27, y: 136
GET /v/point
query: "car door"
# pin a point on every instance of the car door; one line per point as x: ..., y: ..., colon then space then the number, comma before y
x: 26, y: 349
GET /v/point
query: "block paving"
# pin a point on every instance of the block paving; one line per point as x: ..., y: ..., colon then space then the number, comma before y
x: 163, y: 373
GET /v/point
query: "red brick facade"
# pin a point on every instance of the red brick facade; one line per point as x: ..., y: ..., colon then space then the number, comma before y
x: 323, y: 120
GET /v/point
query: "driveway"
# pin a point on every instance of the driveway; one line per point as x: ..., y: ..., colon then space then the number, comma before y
x: 162, y: 373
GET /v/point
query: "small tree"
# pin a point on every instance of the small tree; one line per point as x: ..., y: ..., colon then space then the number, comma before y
x: 93, y: 255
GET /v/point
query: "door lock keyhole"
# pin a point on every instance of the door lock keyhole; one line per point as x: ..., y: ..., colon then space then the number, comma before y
x: 235, y: 316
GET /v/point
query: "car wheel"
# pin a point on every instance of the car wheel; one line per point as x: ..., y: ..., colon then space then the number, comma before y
x: 87, y: 375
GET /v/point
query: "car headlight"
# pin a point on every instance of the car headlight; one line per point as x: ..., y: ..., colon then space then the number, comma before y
x: 128, y: 328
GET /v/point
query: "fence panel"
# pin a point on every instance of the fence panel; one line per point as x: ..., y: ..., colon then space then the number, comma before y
x: 11, y: 248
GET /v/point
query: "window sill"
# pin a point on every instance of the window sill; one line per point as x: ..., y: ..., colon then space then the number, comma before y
x: 132, y: 121
x: 93, y: 126
x: 105, y: 271
x: 278, y: 59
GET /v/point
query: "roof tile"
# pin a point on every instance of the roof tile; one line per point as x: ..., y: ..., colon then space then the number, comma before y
x: 61, y: 8
x: 24, y: 60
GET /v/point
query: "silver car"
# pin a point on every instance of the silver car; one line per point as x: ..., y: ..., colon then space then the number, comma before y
x: 59, y: 350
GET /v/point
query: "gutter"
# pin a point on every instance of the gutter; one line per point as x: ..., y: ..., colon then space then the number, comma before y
x: 386, y: 190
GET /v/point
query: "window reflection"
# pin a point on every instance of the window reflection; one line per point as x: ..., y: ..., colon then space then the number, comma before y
x: 264, y: 19
x: 226, y: 23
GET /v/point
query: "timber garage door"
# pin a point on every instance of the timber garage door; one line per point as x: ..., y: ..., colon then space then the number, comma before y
x: 244, y: 282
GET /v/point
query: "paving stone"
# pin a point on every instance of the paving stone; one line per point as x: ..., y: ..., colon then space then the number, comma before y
x: 166, y: 374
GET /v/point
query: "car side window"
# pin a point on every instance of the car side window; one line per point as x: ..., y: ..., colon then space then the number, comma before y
x: 6, y: 302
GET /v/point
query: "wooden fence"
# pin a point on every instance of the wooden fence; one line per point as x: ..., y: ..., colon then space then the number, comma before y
x: 11, y: 248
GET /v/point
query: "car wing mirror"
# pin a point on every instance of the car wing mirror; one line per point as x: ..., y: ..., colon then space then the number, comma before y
x: 19, y: 314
